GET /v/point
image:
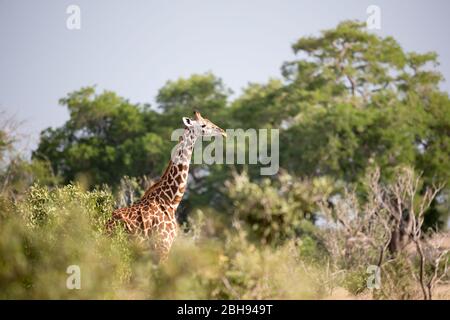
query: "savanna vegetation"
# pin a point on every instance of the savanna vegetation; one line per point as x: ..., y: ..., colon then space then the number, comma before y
x: 363, y: 185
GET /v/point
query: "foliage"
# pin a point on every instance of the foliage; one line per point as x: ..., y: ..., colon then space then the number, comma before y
x: 50, y: 230
x: 53, y: 229
x: 274, y: 211
x: 385, y: 231
x: 21, y: 174
x: 216, y: 258
x: 106, y: 138
x: 350, y: 102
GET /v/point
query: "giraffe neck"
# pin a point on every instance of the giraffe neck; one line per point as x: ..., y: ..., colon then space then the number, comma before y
x: 172, y: 184
x: 183, y: 150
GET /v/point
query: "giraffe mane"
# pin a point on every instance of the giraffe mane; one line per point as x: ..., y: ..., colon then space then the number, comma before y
x: 158, y: 183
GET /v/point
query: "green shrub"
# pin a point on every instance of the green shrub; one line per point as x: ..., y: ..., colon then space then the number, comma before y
x: 53, y: 229
x: 275, y: 210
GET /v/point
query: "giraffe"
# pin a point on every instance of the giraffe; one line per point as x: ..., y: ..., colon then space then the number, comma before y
x: 152, y: 218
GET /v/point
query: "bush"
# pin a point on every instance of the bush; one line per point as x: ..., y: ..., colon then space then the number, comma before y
x: 215, y: 257
x: 52, y: 229
x: 385, y: 231
x: 275, y: 210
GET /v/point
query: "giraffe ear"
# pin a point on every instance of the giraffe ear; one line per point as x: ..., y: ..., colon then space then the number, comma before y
x: 197, y: 115
x: 187, y: 122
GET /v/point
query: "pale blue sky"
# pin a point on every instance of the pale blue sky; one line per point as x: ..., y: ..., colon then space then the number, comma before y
x: 134, y: 47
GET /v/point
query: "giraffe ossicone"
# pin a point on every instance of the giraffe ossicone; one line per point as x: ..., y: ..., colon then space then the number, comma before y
x: 153, y: 218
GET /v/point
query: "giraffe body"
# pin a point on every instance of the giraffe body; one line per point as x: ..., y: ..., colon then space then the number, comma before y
x: 152, y: 218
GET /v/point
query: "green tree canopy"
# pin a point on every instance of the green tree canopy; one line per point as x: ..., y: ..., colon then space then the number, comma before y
x: 360, y: 100
x: 105, y: 138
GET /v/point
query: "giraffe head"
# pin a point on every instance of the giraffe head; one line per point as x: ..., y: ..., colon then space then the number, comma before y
x: 202, y: 126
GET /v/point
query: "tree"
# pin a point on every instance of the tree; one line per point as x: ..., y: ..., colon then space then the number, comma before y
x: 361, y: 101
x: 260, y: 106
x: 204, y: 92
x: 105, y: 138
x: 17, y: 173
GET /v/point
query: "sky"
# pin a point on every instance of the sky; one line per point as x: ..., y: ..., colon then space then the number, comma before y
x: 134, y: 47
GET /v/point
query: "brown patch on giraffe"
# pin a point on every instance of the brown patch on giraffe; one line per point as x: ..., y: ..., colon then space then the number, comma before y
x: 165, y: 198
x: 174, y: 189
x: 168, y: 194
